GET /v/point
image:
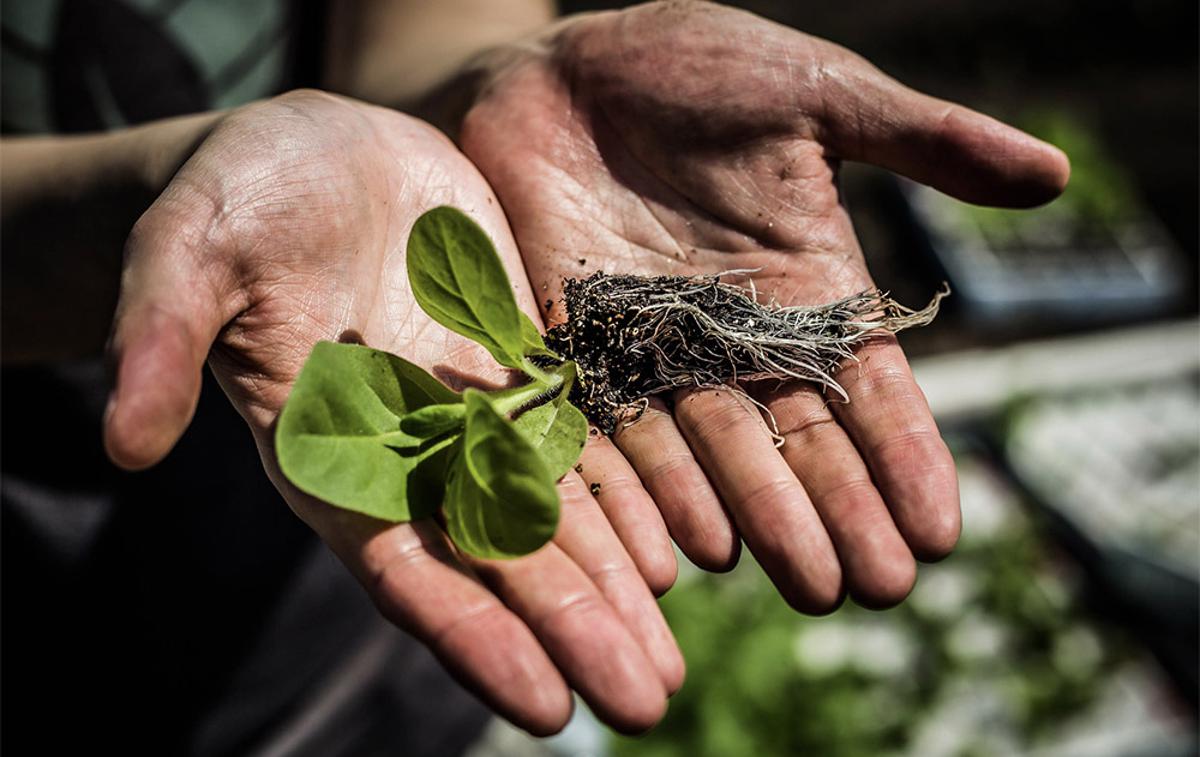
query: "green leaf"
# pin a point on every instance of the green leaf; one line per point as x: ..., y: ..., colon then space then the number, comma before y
x: 557, y: 429
x: 432, y: 420
x: 500, y: 499
x: 338, y: 437
x: 532, y: 339
x: 459, y: 281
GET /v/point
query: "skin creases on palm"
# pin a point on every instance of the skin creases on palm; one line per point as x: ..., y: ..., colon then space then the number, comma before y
x: 610, y: 212
x: 289, y: 225
x: 687, y: 138
x: 319, y: 245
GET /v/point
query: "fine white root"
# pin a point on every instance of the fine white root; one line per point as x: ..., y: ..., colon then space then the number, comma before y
x: 636, y: 336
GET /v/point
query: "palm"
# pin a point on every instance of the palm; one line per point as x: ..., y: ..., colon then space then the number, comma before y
x: 623, y: 208
x: 288, y: 226
x: 312, y: 233
x: 688, y: 138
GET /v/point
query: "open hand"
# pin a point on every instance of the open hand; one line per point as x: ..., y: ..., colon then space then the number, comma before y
x: 288, y: 225
x: 685, y: 138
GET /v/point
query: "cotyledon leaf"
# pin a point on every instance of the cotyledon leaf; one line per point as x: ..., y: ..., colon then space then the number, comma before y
x: 532, y: 338
x: 500, y: 498
x: 338, y: 437
x: 557, y: 429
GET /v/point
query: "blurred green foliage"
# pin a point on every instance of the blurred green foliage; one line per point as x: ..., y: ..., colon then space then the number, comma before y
x: 1100, y: 192
x: 991, y: 653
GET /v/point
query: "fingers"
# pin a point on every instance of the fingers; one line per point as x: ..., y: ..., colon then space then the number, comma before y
x: 415, y: 580
x: 586, y: 536
x: 869, y: 117
x: 879, y: 568
x: 170, y: 310
x: 583, y: 634
x: 890, y: 423
x: 693, y: 512
x: 770, y: 507
x: 520, y: 633
x: 630, y: 510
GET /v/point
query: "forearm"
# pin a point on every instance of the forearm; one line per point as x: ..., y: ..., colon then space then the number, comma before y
x: 399, y: 52
x: 66, y: 207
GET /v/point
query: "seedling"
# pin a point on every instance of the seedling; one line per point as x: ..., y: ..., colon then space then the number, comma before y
x: 371, y: 432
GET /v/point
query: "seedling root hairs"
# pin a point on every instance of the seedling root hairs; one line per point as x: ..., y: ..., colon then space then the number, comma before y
x: 633, y: 337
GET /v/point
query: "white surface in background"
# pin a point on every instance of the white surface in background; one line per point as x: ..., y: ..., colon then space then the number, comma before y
x: 963, y: 384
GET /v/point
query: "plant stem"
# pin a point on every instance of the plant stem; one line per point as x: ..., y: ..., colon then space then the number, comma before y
x: 508, y: 401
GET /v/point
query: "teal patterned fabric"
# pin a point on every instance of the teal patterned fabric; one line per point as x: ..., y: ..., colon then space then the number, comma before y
x: 89, y: 65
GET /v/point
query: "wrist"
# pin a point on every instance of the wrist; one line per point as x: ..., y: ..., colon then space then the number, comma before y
x: 399, y: 54
x: 151, y: 155
x: 447, y: 105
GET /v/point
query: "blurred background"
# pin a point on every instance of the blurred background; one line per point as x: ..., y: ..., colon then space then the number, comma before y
x: 1065, y: 373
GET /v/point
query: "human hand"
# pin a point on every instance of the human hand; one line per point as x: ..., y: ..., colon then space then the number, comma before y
x: 288, y: 225
x: 685, y: 138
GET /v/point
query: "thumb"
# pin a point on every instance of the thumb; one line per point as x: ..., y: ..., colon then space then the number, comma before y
x: 169, y: 313
x: 872, y: 118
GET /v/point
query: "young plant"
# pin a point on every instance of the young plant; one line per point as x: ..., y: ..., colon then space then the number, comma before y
x: 368, y: 431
